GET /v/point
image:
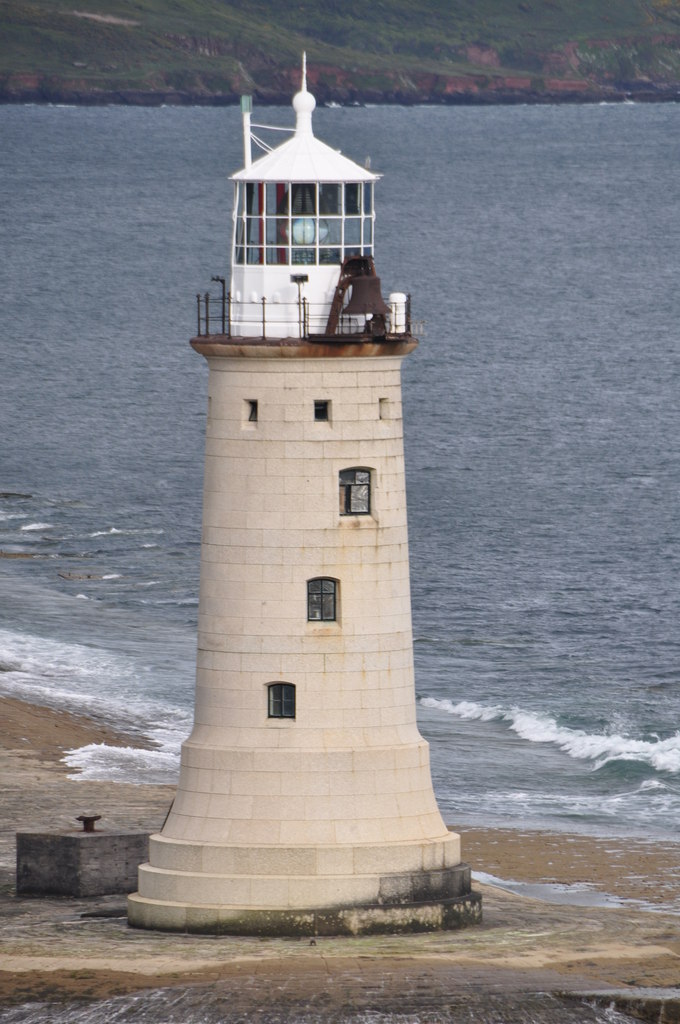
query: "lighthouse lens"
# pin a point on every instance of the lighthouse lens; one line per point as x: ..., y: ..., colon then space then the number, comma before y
x: 304, y: 231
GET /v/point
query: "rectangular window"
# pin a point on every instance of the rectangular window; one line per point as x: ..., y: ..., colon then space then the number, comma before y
x: 321, y: 410
x: 355, y: 492
x: 252, y: 410
x: 322, y: 600
x: 281, y: 700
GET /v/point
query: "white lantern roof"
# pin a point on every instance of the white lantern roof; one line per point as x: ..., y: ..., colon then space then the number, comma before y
x: 304, y: 157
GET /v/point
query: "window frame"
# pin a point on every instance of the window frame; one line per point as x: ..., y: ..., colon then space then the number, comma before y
x: 348, y: 490
x: 326, y: 596
x: 281, y: 700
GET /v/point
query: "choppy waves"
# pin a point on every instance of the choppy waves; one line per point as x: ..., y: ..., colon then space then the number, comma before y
x: 126, y: 764
x: 663, y: 755
x: 108, y: 687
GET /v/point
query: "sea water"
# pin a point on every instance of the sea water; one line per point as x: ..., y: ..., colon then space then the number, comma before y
x: 542, y: 424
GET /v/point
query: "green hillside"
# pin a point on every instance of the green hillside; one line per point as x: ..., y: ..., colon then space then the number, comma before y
x: 388, y: 50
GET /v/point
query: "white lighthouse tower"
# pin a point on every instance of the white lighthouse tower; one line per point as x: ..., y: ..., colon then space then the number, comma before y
x: 305, y: 803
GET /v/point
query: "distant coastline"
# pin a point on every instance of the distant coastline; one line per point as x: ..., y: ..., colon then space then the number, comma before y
x: 483, y: 97
x: 32, y: 89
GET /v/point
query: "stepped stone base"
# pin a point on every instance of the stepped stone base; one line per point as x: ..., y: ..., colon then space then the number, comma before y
x: 451, y: 905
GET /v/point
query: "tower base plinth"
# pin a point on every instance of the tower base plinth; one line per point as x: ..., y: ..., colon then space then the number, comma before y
x: 373, y: 919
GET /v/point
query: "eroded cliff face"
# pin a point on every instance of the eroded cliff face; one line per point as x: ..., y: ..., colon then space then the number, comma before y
x: 587, y: 71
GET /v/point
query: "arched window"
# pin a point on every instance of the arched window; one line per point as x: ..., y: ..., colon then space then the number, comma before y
x: 281, y: 700
x: 355, y: 492
x: 322, y: 599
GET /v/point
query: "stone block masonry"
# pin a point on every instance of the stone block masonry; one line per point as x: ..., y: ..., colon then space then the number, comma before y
x: 79, y: 863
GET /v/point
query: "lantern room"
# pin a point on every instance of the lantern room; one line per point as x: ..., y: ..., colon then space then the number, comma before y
x: 303, y: 233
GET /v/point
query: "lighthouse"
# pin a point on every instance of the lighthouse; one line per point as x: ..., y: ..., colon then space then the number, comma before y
x: 305, y: 803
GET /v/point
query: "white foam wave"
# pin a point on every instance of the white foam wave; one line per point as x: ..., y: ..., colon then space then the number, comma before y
x: 28, y: 527
x: 97, y: 682
x: 113, y: 530
x: 600, y: 748
x: 98, y: 761
x: 122, y: 690
x: 112, y: 576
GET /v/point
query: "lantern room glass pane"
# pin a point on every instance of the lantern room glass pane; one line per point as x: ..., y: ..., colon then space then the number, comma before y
x: 368, y: 231
x: 277, y: 256
x: 353, y: 231
x: 239, y: 192
x: 328, y: 256
x: 303, y: 256
x: 254, y: 198
x: 277, y: 231
x: 352, y: 198
x: 277, y: 198
x: 330, y: 231
x: 303, y: 198
x: 368, y: 197
x: 253, y: 230
x: 329, y: 199
x: 239, y: 251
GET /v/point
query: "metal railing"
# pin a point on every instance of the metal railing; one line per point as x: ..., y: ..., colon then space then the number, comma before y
x: 222, y: 315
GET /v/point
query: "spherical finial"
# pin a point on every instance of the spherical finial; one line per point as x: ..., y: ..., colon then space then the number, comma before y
x: 303, y: 102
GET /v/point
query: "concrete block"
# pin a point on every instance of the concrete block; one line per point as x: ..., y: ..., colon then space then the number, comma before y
x: 79, y: 863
